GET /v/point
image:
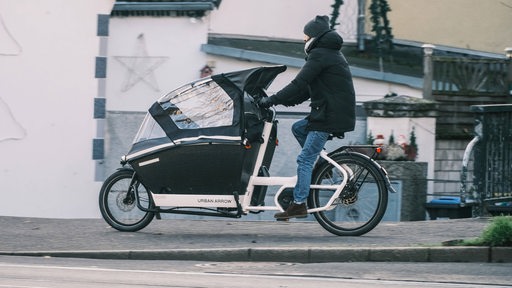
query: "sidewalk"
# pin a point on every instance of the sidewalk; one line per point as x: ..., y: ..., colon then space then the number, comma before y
x: 238, y: 240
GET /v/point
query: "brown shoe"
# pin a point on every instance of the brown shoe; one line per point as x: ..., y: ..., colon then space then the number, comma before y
x: 293, y: 211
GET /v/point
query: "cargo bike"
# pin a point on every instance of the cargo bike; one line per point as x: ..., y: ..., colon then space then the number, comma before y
x: 206, y: 149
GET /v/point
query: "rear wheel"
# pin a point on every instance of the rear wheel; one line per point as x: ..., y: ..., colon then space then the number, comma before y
x: 118, y: 202
x: 362, y: 202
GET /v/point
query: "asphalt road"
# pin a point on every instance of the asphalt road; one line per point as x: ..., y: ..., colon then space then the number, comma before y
x: 42, y: 272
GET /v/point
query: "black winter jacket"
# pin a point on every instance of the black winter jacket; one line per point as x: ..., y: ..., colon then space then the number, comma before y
x: 325, y: 78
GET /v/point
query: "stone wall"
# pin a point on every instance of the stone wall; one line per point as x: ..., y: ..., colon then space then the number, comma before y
x: 414, y: 187
x: 121, y: 128
x: 448, y: 164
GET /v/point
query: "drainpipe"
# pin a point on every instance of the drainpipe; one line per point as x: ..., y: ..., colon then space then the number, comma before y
x: 428, y: 73
x: 360, y: 24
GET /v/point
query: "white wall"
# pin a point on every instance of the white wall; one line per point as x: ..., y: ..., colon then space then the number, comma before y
x: 467, y: 24
x: 280, y: 19
x: 47, y: 88
x: 177, y: 40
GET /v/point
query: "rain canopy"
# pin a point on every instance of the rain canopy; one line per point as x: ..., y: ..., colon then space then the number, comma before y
x: 212, y: 108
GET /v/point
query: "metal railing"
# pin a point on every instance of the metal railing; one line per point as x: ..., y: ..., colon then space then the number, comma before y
x: 492, y: 152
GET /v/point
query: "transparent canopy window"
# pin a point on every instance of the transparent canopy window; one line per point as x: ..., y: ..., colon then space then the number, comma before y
x: 199, y: 105
x: 149, y: 130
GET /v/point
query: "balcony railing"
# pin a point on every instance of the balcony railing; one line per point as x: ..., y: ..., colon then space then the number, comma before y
x: 469, y: 76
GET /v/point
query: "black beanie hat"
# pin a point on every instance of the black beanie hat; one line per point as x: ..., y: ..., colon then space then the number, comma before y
x: 317, y: 26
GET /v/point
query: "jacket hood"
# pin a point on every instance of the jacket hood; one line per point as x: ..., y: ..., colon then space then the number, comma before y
x: 330, y: 40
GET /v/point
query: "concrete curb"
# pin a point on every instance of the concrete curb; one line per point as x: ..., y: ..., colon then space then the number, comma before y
x: 301, y: 255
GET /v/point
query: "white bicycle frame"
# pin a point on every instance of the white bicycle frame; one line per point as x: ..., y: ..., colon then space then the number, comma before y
x: 244, y: 200
x: 288, y: 182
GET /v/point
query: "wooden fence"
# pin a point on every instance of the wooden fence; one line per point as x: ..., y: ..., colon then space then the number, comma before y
x: 459, y: 83
x: 463, y: 76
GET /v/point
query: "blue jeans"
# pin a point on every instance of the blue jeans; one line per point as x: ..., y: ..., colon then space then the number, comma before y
x: 312, y: 143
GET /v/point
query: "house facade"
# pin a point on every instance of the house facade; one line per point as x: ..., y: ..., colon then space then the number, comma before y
x: 481, y: 26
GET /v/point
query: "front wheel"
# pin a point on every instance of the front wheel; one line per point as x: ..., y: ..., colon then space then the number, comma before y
x: 362, y: 202
x: 118, y: 202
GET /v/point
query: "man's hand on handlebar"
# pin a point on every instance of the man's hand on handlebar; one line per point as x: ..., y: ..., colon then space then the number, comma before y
x: 265, y: 102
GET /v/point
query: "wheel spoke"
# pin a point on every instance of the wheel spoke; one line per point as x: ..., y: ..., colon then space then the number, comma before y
x: 361, y: 204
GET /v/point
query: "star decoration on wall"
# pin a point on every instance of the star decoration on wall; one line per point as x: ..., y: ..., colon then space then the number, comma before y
x: 140, y: 67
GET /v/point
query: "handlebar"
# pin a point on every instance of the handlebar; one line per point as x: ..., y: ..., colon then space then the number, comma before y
x: 269, y: 114
x: 257, y: 96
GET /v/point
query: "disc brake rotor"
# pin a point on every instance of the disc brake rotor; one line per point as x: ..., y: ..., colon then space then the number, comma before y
x: 124, y: 202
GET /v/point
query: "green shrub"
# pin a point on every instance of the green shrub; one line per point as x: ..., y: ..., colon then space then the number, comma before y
x: 498, y: 233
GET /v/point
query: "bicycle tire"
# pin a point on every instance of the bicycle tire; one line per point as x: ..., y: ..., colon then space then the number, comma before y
x: 362, y: 202
x: 118, y: 204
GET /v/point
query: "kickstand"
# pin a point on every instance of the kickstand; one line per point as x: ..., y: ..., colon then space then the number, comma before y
x: 238, y: 206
